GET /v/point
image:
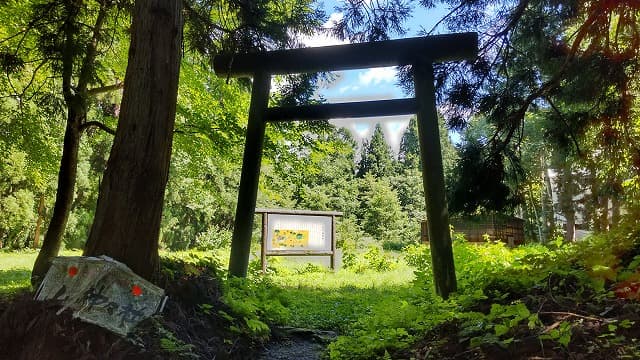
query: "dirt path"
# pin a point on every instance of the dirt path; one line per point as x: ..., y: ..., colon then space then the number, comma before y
x: 296, y: 343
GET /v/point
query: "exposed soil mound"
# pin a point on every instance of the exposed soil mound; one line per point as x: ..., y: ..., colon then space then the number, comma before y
x: 190, y: 327
x: 573, y: 324
x: 31, y: 329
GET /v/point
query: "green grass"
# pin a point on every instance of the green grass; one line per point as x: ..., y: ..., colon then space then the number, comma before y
x: 322, y: 299
x: 15, y: 270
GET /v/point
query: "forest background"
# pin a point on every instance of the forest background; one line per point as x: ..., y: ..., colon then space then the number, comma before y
x: 547, y: 118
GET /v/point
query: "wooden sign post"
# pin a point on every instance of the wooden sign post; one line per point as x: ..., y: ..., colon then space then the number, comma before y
x: 420, y: 53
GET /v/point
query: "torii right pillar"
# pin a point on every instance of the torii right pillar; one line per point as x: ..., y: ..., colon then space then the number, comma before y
x: 433, y: 180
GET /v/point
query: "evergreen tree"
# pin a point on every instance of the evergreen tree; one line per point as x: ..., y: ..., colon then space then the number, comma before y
x: 409, y: 154
x: 376, y: 156
x: 130, y: 206
x: 67, y: 40
x: 383, y: 217
x: 576, y: 60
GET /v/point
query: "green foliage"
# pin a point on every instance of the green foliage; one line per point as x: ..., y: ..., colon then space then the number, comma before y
x: 383, y: 218
x: 409, y: 153
x: 174, y: 346
x: 334, y: 300
x: 498, y: 326
x: 17, y: 202
x: 191, y: 263
x: 491, y: 275
x: 256, y: 301
x: 373, y: 259
x: 253, y: 303
x: 311, y: 268
x: 371, y: 346
x: 377, y: 260
x: 348, y: 232
x: 480, y: 183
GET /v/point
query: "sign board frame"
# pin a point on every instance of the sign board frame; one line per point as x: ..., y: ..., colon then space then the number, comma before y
x: 302, y: 214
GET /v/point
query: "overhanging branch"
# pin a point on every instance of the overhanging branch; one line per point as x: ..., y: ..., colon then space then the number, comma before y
x: 104, y: 89
x: 99, y: 125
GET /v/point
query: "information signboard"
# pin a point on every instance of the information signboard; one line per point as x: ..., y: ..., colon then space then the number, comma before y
x: 298, y: 233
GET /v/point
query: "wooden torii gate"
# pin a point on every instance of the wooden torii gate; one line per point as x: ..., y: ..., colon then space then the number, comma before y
x: 420, y: 53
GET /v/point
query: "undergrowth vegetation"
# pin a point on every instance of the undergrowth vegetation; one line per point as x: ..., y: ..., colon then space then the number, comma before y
x: 511, y: 302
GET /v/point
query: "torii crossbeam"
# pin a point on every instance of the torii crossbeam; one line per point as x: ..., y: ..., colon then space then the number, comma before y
x: 420, y: 53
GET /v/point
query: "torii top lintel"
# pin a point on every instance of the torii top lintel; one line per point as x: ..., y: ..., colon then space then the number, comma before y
x: 436, y: 48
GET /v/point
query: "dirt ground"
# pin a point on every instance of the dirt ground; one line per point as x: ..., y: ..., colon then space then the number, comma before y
x: 295, y: 343
x: 31, y: 330
x: 599, y: 328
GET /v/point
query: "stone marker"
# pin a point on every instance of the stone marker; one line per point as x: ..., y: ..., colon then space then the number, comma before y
x: 101, y: 291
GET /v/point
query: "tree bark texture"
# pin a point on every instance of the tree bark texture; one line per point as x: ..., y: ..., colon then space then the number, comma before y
x: 64, y: 196
x: 603, y: 213
x: 546, y: 199
x: 566, y: 192
x: 592, y: 203
x: 36, y: 236
x: 616, y: 211
x: 127, y: 220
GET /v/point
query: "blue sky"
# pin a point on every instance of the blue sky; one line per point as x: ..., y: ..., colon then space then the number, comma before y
x: 370, y: 84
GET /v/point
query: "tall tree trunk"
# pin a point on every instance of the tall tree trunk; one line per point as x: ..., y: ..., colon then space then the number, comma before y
x: 36, y: 235
x: 616, y: 212
x: 536, y: 222
x: 75, y: 98
x: 546, y: 200
x: 64, y: 196
x: 591, y: 205
x: 567, y: 191
x: 603, y: 213
x: 127, y: 220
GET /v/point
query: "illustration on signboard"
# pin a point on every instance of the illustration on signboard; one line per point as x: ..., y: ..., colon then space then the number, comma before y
x: 290, y: 239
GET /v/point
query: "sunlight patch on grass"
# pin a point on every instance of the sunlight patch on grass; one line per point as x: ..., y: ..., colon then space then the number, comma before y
x: 15, y: 269
x: 400, y: 276
x: 322, y: 299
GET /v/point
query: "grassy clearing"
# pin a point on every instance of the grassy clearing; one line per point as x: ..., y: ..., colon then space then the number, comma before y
x: 321, y: 299
x: 15, y: 269
x: 383, y: 304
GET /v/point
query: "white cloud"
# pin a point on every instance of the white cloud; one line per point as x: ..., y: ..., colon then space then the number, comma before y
x: 376, y: 76
x: 347, y: 88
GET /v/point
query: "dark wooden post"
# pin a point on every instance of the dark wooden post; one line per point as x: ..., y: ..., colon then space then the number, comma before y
x: 333, y: 243
x: 433, y: 180
x: 248, y: 191
x: 263, y: 242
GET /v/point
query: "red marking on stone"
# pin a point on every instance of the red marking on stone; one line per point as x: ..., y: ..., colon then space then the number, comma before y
x: 73, y: 271
x: 136, y: 290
